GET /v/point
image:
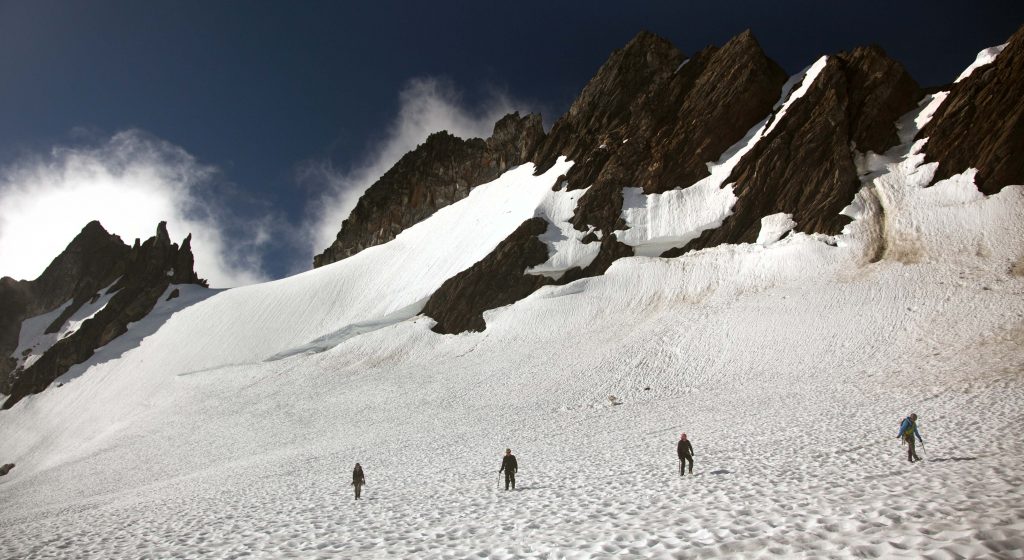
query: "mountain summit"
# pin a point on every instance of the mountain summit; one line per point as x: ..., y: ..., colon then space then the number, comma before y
x: 87, y: 297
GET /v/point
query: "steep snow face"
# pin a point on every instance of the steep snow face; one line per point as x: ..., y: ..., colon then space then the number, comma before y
x: 789, y: 364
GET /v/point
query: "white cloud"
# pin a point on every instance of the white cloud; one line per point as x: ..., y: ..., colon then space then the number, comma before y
x: 129, y: 183
x: 427, y: 105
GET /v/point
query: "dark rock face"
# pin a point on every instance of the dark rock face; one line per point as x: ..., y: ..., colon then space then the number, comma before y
x: 6, y: 468
x: 981, y: 123
x: 648, y: 120
x: 437, y: 173
x: 805, y: 166
x: 880, y: 91
x: 93, y: 261
x: 497, y: 280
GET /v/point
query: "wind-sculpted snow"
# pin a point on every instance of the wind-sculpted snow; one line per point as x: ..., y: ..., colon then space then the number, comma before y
x: 789, y: 365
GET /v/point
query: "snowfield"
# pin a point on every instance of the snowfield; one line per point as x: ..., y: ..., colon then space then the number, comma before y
x: 231, y: 430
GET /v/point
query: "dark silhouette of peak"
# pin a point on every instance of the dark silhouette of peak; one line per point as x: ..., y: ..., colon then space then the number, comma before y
x: 95, y: 263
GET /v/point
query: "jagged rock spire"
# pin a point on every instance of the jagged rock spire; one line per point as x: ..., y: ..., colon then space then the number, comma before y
x: 94, y: 260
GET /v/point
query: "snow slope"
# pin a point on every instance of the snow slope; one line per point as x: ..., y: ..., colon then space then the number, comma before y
x: 231, y: 431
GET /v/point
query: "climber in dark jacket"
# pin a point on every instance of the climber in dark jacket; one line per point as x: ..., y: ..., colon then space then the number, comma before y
x: 685, y: 452
x: 509, y: 466
x: 358, y: 480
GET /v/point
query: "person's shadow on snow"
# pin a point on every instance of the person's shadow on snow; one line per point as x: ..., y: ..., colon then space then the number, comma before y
x: 954, y: 459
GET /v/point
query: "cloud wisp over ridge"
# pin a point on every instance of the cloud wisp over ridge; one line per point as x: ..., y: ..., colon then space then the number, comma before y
x: 426, y: 105
x: 132, y: 180
x: 128, y: 182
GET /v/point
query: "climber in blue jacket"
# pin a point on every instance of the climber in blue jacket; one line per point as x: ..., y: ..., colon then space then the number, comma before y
x: 908, y: 430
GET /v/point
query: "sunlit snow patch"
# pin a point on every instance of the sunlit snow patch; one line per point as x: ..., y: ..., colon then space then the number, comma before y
x: 659, y: 222
x: 985, y: 57
x: 565, y: 245
x: 774, y: 227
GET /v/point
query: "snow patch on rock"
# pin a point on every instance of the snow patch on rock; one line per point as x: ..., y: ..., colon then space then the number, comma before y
x: 774, y: 227
x: 984, y: 58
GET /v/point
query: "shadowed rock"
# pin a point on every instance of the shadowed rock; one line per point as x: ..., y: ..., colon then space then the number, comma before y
x: 805, y: 166
x: 651, y: 118
x: 981, y: 123
x: 92, y: 261
x: 497, y: 280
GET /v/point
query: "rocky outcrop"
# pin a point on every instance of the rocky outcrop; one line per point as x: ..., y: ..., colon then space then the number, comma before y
x: 137, y: 277
x: 437, y: 173
x: 981, y: 123
x: 497, y: 280
x: 805, y: 166
x: 651, y: 118
x: 6, y: 468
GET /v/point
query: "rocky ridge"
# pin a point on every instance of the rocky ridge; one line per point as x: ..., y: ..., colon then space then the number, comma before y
x: 980, y: 125
x: 95, y: 263
x: 805, y: 167
x: 653, y: 118
x: 437, y: 173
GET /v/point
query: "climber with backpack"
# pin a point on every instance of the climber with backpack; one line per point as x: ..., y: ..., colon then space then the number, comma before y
x: 908, y: 430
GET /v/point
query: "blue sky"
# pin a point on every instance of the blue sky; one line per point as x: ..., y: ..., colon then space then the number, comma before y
x: 248, y: 121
